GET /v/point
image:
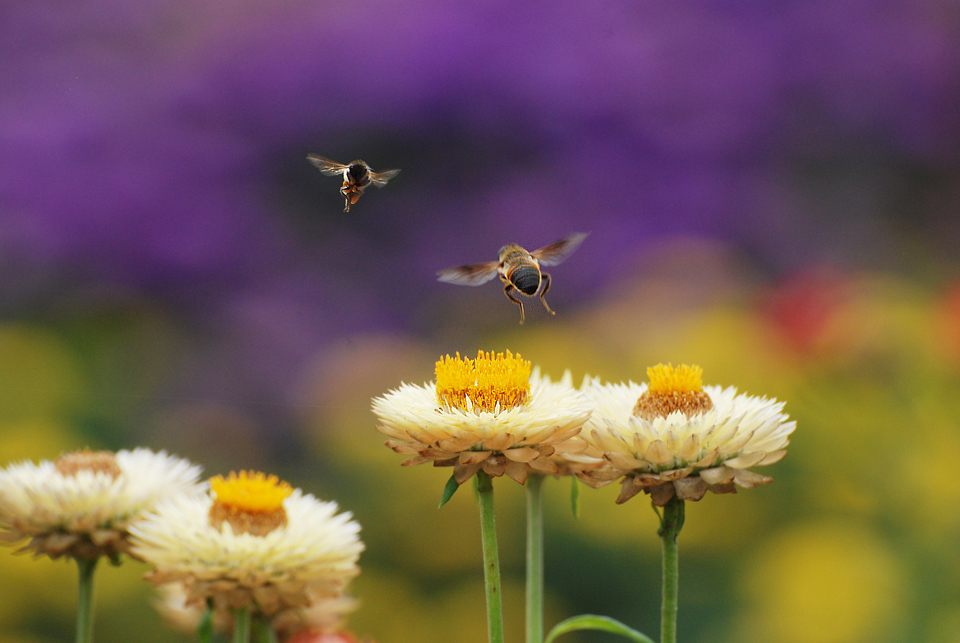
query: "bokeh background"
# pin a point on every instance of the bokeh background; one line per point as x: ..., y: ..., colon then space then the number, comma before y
x: 772, y: 190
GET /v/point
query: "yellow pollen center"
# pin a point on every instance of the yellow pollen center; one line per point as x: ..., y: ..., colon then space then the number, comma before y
x: 488, y: 382
x: 250, y: 501
x: 673, y: 389
x: 70, y: 464
x: 682, y: 379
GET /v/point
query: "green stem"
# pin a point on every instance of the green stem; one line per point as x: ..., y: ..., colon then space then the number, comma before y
x: 241, y: 625
x: 85, y: 600
x: 491, y: 559
x: 263, y: 632
x: 535, y: 558
x: 670, y: 525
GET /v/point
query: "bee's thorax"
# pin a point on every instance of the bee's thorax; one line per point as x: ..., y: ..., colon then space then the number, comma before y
x: 358, y: 173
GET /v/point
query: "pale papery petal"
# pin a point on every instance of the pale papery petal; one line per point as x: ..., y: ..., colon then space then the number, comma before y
x: 746, y: 460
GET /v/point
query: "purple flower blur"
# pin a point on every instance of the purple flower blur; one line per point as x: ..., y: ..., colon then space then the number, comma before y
x: 159, y: 144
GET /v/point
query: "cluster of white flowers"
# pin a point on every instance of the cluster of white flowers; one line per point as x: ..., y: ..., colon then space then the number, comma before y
x: 670, y: 438
x: 248, y: 541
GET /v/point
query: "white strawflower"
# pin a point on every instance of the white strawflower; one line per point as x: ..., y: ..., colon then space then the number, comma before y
x: 485, y: 414
x: 677, y: 437
x: 253, y: 541
x: 82, y: 504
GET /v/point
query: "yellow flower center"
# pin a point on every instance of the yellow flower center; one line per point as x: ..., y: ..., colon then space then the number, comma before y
x: 70, y: 464
x: 673, y: 389
x: 251, y: 502
x: 488, y: 382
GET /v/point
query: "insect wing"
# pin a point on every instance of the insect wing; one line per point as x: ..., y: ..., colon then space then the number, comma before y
x: 326, y: 166
x: 559, y: 250
x: 471, y: 275
x: 380, y: 179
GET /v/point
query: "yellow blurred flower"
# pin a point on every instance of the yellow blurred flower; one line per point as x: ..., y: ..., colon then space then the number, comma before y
x: 675, y: 437
x: 839, y: 576
x: 82, y: 504
x: 253, y: 541
x: 488, y: 414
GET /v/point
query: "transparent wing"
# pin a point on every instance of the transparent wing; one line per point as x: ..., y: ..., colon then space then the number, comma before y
x: 326, y: 166
x: 471, y: 275
x: 559, y: 250
x: 380, y: 179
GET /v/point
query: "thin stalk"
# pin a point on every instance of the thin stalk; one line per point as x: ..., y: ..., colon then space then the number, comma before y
x: 534, y: 558
x: 491, y: 559
x: 241, y: 625
x: 263, y: 630
x: 670, y: 525
x: 85, y: 600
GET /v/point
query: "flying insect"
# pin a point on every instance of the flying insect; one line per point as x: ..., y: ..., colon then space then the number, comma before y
x: 518, y: 269
x: 357, y: 177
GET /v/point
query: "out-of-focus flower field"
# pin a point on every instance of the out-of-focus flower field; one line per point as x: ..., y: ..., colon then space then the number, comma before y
x: 772, y: 191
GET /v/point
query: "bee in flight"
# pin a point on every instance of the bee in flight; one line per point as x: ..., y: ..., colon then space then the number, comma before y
x: 518, y: 269
x: 357, y: 177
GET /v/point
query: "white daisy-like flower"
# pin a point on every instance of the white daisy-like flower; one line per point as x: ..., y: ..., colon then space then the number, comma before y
x: 486, y: 414
x: 675, y: 437
x: 253, y: 541
x: 82, y: 504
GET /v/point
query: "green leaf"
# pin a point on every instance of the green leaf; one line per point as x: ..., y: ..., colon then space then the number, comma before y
x: 593, y: 622
x: 448, y: 491
x: 575, y: 496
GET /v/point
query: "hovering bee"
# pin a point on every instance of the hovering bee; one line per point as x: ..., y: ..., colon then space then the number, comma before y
x: 518, y: 269
x: 357, y: 177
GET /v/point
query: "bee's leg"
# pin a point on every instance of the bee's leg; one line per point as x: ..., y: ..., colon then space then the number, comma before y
x: 508, y: 290
x: 545, y: 280
x: 345, y: 191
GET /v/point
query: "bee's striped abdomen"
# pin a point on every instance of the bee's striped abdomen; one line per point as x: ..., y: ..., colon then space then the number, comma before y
x: 526, y: 279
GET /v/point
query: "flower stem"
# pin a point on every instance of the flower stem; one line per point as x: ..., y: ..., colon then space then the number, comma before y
x: 534, y: 558
x: 241, y: 625
x: 670, y: 525
x: 263, y: 632
x: 85, y: 600
x: 491, y: 559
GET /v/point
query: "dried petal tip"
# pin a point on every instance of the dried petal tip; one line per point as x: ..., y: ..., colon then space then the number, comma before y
x: 70, y: 464
x: 251, y: 502
x: 673, y: 389
x: 490, y: 383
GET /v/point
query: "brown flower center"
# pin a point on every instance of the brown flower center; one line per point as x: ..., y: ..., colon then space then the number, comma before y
x: 69, y: 464
x: 673, y: 389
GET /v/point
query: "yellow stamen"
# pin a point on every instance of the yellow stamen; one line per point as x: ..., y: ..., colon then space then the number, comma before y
x: 488, y: 381
x: 251, y: 502
x: 673, y: 389
x: 69, y: 464
x: 682, y: 379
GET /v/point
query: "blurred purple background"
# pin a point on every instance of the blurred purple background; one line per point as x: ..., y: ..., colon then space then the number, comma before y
x: 161, y: 228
